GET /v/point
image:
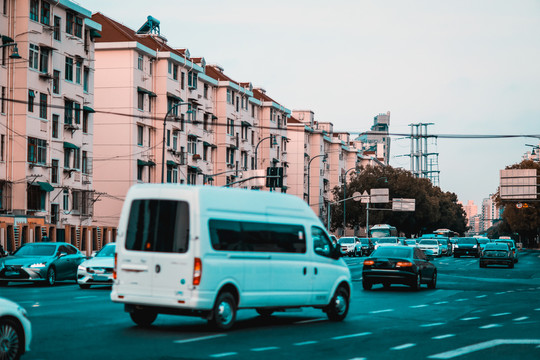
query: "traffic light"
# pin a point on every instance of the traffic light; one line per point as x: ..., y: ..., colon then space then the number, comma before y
x: 274, y: 177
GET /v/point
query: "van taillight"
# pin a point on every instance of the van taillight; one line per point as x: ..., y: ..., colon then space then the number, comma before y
x: 197, y: 271
x: 114, y: 270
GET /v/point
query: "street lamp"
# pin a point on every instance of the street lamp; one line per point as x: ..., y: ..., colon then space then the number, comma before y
x: 345, y: 196
x: 308, y: 167
x: 274, y: 143
x: 7, y: 41
x: 164, y: 131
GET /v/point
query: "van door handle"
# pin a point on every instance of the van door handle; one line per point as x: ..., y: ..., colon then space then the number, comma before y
x: 305, y: 270
x: 316, y: 271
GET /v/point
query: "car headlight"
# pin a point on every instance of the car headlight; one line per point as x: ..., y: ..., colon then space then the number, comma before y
x: 456, y: 245
x: 38, y: 265
x: 81, y: 268
x: 475, y: 246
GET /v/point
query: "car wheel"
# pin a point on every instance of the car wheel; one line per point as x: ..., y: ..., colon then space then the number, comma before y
x: 143, y: 317
x: 51, y: 276
x: 433, y: 283
x: 264, y: 312
x: 386, y: 285
x: 456, y: 255
x: 84, y: 286
x: 11, y: 339
x: 367, y: 285
x: 224, y: 313
x: 417, y: 282
x: 511, y: 266
x: 3, y: 283
x: 482, y: 265
x: 339, y: 305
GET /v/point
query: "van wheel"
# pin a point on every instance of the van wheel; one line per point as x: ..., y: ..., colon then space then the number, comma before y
x: 264, y: 312
x: 224, y: 312
x: 143, y: 317
x: 339, y: 305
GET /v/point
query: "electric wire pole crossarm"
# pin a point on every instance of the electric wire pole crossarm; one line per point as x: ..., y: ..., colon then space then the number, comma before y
x: 175, y: 106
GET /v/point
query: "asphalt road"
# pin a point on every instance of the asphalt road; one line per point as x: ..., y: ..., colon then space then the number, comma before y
x: 474, y: 313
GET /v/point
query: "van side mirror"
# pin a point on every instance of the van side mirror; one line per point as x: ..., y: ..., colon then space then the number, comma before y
x: 336, y: 252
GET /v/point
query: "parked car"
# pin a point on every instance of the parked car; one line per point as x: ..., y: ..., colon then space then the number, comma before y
x: 467, y: 246
x: 97, y: 270
x: 398, y: 265
x: 15, y: 330
x: 430, y: 247
x: 512, y: 245
x: 367, y: 246
x: 350, y: 245
x: 387, y: 241
x: 497, y: 254
x: 41, y: 262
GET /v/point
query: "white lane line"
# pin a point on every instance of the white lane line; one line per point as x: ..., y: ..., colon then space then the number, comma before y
x: 482, y: 346
x: 224, y: 354
x: 265, y: 348
x: 403, y: 347
x: 350, y: 336
x: 432, y: 324
x: 311, y: 321
x: 199, y: 338
x: 85, y: 297
x: 358, y: 359
x: 470, y: 318
x: 490, y: 326
x: 418, y: 306
x: 441, y: 302
x: 459, y: 300
x: 481, y: 296
x: 381, y: 311
x: 537, y: 309
x: 440, y: 337
x: 306, y: 343
x: 521, y: 318
x: 500, y: 293
x: 501, y: 314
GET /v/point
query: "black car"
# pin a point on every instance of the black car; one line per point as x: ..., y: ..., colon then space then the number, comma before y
x: 398, y: 265
x: 467, y: 246
x: 41, y: 262
x: 367, y: 246
x: 497, y: 254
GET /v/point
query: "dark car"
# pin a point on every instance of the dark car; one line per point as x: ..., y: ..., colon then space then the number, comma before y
x: 511, y: 244
x: 467, y: 246
x: 497, y: 254
x: 367, y: 246
x: 398, y: 265
x: 41, y: 262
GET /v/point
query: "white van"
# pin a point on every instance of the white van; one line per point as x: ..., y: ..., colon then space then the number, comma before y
x: 208, y: 251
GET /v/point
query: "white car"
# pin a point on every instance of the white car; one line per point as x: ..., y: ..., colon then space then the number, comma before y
x: 15, y: 330
x: 99, y: 269
x: 430, y: 246
x: 350, y: 246
x: 387, y: 241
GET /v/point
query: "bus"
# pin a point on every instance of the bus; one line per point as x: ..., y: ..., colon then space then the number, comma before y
x: 446, y: 232
x: 382, y: 230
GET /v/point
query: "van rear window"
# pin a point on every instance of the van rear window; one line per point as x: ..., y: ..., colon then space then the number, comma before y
x: 158, y: 225
x: 227, y: 235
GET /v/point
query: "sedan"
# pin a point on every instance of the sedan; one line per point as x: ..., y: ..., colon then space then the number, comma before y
x: 497, y: 254
x: 367, y: 246
x: 467, y: 246
x: 430, y: 247
x: 512, y: 245
x: 15, y: 330
x: 41, y: 262
x: 99, y: 269
x: 398, y: 265
x: 387, y: 241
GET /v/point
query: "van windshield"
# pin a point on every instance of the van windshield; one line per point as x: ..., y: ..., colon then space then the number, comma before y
x: 158, y: 225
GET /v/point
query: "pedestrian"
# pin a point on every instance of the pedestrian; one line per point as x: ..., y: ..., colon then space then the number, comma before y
x: 2, y: 253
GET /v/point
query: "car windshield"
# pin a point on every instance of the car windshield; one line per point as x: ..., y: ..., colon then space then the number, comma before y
x: 467, y: 241
x: 509, y: 242
x: 429, y: 242
x: 36, y: 250
x: 498, y: 253
x: 387, y: 241
x: 503, y: 247
x: 392, y: 251
x: 483, y: 241
x: 364, y: 241
x: 410, y: 242
x: 107, y: 251
x: 347, y: 240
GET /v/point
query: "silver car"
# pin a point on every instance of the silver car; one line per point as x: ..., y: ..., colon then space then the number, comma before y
x: 15, y: 330
x: 430, y: 247
x: 97, y: 270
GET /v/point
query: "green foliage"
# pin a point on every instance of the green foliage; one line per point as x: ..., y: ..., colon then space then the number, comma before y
x: 434, y: 208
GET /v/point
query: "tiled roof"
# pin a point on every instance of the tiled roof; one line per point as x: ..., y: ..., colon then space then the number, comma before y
x: 214, y: 73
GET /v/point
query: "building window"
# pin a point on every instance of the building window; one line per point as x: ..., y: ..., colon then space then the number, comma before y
x: 45, y: 13
x: 35, y: 198
x: 175, y: 140
x: 140, y: 61
x: 78, y: 71
x: 140, y: 172
x: 54, y: 213
x: 66, y: 200
x: 76, y: 201
x: 229, y: 96
x: 78, y: 26
x: 192, y: 178
x: 182, y: 80
x: 168, y: 137
x: 68, y: 112
x: 44, y: 60
x: 54, y: 171
x: 85, y: 122
x: 76, y: 158
x: 140, y: 100
x: 86, y: 78
x: 37, y: 151
x: 43, y: 106
x: 205, y: 91
x: 230, y: 126
x: 69, y: 23
x: 56, y: 82
x: 175, y: 72
x: 2, y: 146
x: 55, y: 120
x: 69, y: 69
x: 229, y: 156
x: 31, y: 96
x: 192, y: 145
x: 77, y: 112
x: 140, y: 132
x: 192, y: 79
x: 56, y: 28
x: 85, y: 162
x: 33, y: 57
x: 171, y: 104
x: 67, y: 156
x: 34, y: 10
x: 169, y: 66
x: 3, y: 104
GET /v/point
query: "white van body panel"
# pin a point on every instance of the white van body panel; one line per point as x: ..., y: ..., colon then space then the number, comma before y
x: 262, y: 279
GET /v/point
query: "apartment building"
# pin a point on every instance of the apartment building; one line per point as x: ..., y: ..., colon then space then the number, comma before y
x: 491, y: 213
x: 377, y: 140
x: 46, y: 117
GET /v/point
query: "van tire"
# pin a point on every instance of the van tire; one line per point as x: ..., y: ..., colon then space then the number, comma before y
x: 224, y: 312
x: 339, y: 305
x: 264, y: 312
x: 143, y: 317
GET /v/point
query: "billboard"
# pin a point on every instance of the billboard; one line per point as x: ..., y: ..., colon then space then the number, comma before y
x: 518, y: 184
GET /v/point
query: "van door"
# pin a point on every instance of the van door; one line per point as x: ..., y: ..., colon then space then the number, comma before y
x: 325, y: 270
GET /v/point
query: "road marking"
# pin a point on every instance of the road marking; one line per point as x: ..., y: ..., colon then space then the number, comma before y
x: 311, y: 321
x: 224, y: 354
x: 432, y: 324
x: 482, y: 346
x: 350, y: 336
x: 36, y: 305
x: 537, y: 309
x: 198, y: 338
x: 500, y: 293
x: 358, y: 359
x: 440, y: 337
x: 470, y: 318
x: 265, y: 348
x: 381, y: 311
x: 418, y: 306
x: 403, y: 347
x: 501, y: 314
x: 458, y: 300
x: 481, y: 296
x: 85, y: 297
x: 441, y: 302
x: 305, y: 343
x: 490, y: 326
x: 521, y: 318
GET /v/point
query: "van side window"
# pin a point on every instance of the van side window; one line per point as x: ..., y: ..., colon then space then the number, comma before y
x: 227, y: 235
x: 158, y: 225
x: 321, y: 243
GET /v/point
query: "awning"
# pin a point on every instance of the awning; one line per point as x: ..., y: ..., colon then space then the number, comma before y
x: 45, y: 186
x: 194, y: 169
x: 206, y: 143
x: 274, y: 160
x: 171, y: 163
x: 143, y: 90
x: 172, y: 96
x: 145, y: 163
x: 193, y: 136
x: 245, y: 123
x: 234, y: 147
x: 94, y: 33
x: 88, y: 109
x: 68, y: 145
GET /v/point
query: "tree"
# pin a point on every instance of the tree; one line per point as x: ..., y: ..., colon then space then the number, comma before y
x: 434, y: 208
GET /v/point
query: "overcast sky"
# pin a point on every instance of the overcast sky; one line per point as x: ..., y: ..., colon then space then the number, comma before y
x: 468, y: 66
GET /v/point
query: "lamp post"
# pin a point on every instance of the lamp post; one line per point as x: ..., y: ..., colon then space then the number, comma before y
x: 7, y: 41
x: 164, y: 131
x: 308, y: 172
x: 345, y: 196
x: 274, y: 143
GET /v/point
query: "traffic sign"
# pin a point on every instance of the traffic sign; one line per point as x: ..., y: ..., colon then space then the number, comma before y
x: 403, y: 204
x: 380, y: 196
x: 357, y: 196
